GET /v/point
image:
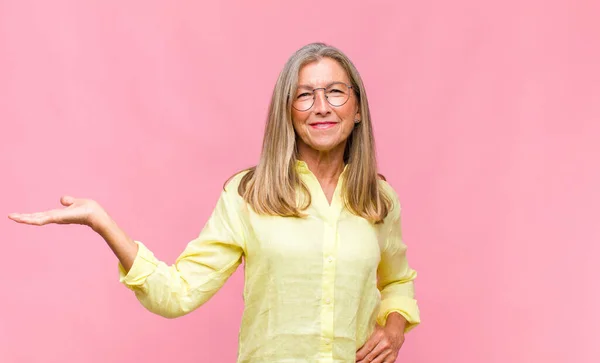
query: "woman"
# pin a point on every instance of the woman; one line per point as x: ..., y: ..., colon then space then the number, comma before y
x: 326, y: 277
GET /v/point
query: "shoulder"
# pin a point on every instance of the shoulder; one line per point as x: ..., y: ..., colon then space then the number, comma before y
x: 389, y: 191
x: 233, y: 183
x: 231, y: 188
x: 391, y: 194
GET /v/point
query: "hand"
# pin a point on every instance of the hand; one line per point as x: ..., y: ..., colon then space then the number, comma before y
x: 382, y: 347
x: 78, y: 211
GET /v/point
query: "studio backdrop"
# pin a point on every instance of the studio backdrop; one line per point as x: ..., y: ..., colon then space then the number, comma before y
x: 487, y: 123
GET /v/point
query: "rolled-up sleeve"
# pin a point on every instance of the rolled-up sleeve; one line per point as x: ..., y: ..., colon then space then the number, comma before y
x: 395, y: 276
x: 199, y: 272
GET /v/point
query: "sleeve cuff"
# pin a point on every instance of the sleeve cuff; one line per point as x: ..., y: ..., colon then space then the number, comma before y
x: 405, y: 306
x: 143, y: 266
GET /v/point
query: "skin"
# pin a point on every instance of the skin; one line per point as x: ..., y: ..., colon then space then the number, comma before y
x: 384, y: 344
x: 321, y: 147
x: 89, y: 213
x: 323, y: 151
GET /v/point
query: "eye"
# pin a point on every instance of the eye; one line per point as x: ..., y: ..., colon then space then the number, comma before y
x: 304, y: 95
x: 337, y: 89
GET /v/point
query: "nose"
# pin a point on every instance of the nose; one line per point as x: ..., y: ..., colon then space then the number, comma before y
x: 321, y: 106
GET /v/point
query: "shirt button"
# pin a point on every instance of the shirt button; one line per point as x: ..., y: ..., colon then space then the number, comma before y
x: 330, y: 259
x: 327, y: 301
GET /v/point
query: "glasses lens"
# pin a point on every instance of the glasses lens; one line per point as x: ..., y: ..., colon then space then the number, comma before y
x: 337, y: 94
x: 304, y: 99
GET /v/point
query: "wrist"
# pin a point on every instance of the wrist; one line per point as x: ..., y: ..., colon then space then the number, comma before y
x: 99, y: 221
x: 396, y: 322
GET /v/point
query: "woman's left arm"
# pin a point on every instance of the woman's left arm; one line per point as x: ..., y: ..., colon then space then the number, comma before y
x: 396, y: 277
x: 399, y: 312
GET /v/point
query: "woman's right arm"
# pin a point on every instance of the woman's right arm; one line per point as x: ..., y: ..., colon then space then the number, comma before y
x: 123, y: 246
x: 170, y: 291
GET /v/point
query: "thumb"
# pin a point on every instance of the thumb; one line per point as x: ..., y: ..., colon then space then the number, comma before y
x: 67, y: 200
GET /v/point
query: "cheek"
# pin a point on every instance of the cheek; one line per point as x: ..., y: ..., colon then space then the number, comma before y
x: 300, y: 126
x: 297, y: 120
x: 298, y: 129
x: 348, y: 111
x: 348, y: 128
x: 347, y: 115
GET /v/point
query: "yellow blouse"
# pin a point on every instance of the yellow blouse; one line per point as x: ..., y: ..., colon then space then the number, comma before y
x: 314, y: 286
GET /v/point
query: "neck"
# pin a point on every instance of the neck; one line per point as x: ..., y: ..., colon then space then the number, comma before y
x: 326, y: 166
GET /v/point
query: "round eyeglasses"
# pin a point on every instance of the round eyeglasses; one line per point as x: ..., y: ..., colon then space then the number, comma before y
x: 336, y: 94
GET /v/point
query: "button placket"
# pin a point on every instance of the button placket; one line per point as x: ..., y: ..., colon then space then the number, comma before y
x: 329, y: 268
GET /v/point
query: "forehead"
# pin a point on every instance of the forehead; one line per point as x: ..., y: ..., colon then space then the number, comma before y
x: 321, y: 73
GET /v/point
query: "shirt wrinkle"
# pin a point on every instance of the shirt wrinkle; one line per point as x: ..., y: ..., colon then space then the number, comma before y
x: 314, y: 287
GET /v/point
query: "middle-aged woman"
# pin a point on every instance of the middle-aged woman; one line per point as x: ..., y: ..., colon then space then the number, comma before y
x: 326, y: 275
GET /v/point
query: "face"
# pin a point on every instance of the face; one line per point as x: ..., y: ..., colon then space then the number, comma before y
x: 323, y: 127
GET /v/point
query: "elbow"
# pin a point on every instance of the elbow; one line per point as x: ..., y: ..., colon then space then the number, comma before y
x: 172, y: 309
x: 169, y: 312
x: 174, y: 301
x: 404, y: 288
x: 406, y: 278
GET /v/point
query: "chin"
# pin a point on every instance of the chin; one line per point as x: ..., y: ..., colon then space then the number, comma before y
x: 321, y: 143
x: 323, y: 146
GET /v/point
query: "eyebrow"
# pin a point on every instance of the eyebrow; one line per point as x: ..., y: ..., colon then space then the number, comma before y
x: 305, y: 86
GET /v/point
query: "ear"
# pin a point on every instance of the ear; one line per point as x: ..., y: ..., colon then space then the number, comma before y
x: 357, y: 118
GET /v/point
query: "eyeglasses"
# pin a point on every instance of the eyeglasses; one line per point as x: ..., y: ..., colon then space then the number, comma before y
x: 336, y: 94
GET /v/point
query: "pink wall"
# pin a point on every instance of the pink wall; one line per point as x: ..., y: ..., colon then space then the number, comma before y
x: 487, y: 122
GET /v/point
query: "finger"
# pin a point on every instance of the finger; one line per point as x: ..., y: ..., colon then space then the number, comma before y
x: 361, y: 354
x: 41, y: 218
x: 380, y: 351
x: 19, y: 217
x: 384, y: 357
x: 38, y: 219
x: 368, y: 347
x: 67, y: 200
x: 13, y: 216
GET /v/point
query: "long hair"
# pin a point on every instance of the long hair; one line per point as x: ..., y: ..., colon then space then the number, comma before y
x: 271, y: 186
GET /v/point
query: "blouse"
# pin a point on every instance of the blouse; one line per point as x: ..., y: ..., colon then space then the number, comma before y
x: 314, y: 286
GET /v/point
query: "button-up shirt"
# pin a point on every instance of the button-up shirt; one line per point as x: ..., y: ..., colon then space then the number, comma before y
x: 315, y: 286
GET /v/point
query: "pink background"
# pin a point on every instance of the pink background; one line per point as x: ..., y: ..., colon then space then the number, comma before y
x: 487, y: 124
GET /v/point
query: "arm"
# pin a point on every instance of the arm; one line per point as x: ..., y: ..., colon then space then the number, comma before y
x: 170, y: 291
x: 395, y: 277
x: 119, y: 242
x: 198, y: 273
x: 398, y: 312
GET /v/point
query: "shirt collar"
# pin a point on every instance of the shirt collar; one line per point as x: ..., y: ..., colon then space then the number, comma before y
x: 302, y: 167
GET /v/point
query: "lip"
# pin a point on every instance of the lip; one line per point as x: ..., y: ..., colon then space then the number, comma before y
x: 323, y: 125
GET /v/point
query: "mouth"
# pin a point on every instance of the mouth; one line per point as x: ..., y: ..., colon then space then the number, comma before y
x: 323, y: 125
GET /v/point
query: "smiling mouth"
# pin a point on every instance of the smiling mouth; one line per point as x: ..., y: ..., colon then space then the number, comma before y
x: 323, y: 125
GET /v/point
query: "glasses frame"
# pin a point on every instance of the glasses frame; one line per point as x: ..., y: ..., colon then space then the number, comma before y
x: 314, y: 93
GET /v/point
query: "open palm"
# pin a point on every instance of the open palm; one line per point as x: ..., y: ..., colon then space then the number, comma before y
x: 77, y: 211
